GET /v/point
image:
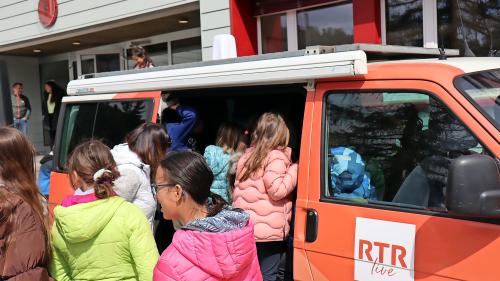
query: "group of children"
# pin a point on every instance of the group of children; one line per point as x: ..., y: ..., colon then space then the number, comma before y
x: 233, y: 205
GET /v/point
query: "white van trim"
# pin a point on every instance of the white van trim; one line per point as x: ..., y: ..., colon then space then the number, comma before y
x: 298, y: 69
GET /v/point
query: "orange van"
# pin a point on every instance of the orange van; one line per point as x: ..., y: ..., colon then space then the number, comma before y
x: 424, y: 134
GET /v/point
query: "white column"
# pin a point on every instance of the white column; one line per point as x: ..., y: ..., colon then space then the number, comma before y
x: 215, y: 19
x: 430, y: 23
x: 291, y: 30
x: 383, y: 25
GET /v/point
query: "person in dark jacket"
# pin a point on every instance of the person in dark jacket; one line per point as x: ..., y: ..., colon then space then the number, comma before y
x: 44, y: 174
x: 52, y: 99
x: 24, y: 247
x: 179, y: 121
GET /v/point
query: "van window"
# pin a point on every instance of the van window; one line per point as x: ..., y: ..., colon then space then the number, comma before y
x: 484, y: 89
x: 108, y: 121
x: 392, y: 148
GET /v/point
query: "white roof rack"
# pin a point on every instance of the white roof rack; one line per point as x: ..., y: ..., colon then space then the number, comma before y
x: 287, y: 67
x: 295, y: 69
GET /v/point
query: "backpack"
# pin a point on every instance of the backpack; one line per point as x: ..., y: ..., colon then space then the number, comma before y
x: 348, y: 176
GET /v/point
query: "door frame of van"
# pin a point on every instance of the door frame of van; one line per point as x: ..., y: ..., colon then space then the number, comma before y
x: 315, y: 183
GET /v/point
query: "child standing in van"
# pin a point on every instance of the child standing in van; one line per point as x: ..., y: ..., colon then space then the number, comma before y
x: 179, y: 121
x: 137, y: 160
x: 96, y: 234
x: 216, y: 241
x: 265, y: 178
x: 228, y: 139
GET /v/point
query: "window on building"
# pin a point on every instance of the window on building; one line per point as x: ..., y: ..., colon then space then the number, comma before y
x: 109, y: 121
x: 473, y: 26
x: 186, y: 50
x: 107, y: 62
x: 274, y: 33
x: 100, y: 63
x: 392, y: 148
x: 330, y: 25
x: 404, y: 22
x: 88, y: 64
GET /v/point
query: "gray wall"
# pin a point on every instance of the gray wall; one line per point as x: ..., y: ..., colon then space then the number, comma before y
x: 25, y: 70
x: 215, y: 19
x: 19, y: 18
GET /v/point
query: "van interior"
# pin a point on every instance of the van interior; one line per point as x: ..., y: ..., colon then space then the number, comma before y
x: 243, y: 106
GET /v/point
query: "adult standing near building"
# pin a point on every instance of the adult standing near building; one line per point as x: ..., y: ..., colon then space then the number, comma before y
x: 141, y: 58
x: 21, y: 108
x: 52, y: 99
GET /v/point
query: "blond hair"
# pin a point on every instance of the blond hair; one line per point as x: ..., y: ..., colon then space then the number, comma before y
x: 271, y: 133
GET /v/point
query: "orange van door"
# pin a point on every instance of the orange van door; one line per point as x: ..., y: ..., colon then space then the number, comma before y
x: 380, y: 152
x: 108, y: 117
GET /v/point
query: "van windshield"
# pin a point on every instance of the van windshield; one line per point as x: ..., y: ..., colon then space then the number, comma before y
x: 108, y: 121
x: 484, y: 89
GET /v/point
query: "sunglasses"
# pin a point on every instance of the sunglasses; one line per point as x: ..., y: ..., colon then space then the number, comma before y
x: 155, y: 187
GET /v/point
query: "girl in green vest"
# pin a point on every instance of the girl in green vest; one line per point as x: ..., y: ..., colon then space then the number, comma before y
x: 97, y: 235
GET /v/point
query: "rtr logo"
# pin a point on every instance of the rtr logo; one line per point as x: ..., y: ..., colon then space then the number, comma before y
x: 397, y: 255
x: 384, y: 250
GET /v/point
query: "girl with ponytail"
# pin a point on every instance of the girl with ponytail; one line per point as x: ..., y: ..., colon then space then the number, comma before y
x: 223, y: 235
x: 97, y: 235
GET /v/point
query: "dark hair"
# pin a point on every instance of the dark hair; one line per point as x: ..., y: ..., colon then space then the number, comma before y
x: 150, y: 142
x: 17, y: 83
x: 190, y: 170
x: 90, y: 157
x: 138, y: 51
x: 57, y: 91
x: 170, y: 116
x: 172, y: 98
x: 229, y: 136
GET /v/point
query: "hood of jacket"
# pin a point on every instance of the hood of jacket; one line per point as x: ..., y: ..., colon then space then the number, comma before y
x: 83, y: 222
x: 124, y: 156
x: 220, y: 255
x: 228, y: 219
x: 205, y: 250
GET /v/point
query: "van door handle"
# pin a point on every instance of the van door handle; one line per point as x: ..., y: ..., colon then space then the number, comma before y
x: 311, y: 225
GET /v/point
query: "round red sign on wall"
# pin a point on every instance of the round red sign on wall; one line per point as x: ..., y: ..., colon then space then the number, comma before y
x: 47, y: 12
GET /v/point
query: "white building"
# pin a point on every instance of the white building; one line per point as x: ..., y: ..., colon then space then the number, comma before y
x: 87, y: 36
x: 60, y: 40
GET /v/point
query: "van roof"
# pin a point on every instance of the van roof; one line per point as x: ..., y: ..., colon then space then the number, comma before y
x: 466, y: 64
x: 288, y: 67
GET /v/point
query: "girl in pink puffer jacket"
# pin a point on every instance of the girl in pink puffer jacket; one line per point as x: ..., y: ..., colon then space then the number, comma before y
x: 265, y: 178
x: 216, y: 241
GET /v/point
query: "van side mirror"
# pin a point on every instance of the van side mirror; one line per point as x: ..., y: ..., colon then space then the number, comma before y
x: 474, y: 186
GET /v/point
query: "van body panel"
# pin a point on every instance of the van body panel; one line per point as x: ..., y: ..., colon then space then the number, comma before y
x: 445, y: 247
x: 301, y: 266
x: 60, y: 186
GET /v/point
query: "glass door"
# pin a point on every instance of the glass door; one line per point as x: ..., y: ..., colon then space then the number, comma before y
x: 100, y: 62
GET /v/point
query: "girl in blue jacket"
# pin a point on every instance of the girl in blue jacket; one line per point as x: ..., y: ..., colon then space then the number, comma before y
x: 230, y: 140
